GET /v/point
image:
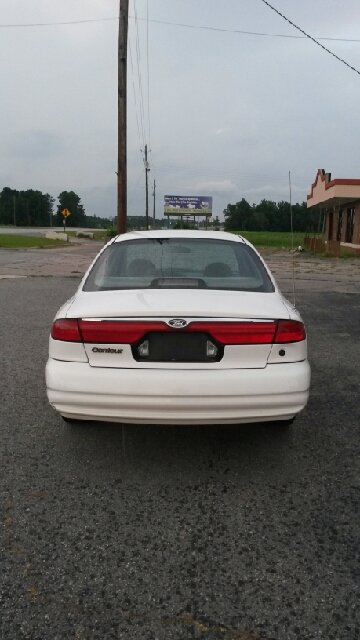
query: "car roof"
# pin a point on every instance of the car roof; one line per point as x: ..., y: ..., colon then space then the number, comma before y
x: 181, y: 233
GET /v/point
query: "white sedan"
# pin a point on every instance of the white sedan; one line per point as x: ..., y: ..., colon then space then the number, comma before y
x: 178, y: 327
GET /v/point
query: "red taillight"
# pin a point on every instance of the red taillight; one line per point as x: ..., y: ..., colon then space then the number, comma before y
x: 128, y: 332
x: 290, y: 331
x: 123, y: 332
x: 66, y: 330
x: 237, y: 332
x: 107, y: 331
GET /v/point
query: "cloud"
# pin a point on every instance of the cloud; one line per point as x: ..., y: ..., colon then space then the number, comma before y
x: 36, y: 145
x: 100, y: 201
x: 270, y: 189
x: 223, y: 187
x: 275, y: 193
x: 228, y: 117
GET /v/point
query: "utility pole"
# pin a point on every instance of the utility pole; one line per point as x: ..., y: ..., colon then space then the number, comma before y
x: 122, y: 121
x: 154, y: 206
x: 147, y: 169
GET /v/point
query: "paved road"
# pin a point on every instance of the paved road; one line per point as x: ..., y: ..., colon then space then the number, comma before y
x: 169, y: 533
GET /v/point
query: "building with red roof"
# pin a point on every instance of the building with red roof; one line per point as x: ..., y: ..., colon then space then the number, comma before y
x: 338, y: 203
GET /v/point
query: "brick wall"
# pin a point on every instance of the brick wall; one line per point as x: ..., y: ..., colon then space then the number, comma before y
x: 356, y: 234
x: 333, y: 248
x: 314, y: 244
x: 335, y: 219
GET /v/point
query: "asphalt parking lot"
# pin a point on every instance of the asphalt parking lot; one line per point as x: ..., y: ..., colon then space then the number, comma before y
x: 164, y: 533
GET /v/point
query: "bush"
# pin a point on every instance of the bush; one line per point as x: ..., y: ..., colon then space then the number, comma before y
x: 111, y: 232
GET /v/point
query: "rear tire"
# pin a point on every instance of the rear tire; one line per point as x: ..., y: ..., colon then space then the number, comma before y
x: 284, y: 424
x: 73, y: 421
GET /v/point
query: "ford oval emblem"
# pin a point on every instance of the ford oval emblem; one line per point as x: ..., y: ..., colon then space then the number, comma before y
x: 177, y: 323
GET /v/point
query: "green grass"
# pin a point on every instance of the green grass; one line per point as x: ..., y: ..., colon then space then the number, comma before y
x: 272, y: 238
x: 13, y: 241
x: 100, y: 235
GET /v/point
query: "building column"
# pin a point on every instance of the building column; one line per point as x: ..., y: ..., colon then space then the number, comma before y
x: 330, y: 224
x: 343, y: 226
x: 356, y: 235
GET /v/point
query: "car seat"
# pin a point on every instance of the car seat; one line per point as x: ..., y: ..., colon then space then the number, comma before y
x: 217, y: 270
x: 141, y: 267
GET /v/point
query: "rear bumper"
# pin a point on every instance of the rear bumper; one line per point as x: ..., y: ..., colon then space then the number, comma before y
x: 163, y: 396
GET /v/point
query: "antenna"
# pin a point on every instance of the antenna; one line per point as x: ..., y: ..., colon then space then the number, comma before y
x: 292, y: 241
x: 147, y: 169
x: 153, y: 193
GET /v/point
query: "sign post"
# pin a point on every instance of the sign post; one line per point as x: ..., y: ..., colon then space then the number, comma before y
x: 65, y: 213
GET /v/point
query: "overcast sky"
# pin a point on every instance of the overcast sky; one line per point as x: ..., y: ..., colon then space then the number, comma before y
x: 230, y: 114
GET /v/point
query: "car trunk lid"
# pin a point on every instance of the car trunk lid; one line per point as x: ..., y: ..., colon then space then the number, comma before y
x: 178, y: 303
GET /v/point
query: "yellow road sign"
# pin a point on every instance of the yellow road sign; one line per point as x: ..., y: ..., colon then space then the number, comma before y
x: 66, y: 213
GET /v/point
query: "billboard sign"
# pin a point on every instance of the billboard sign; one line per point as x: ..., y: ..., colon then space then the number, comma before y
x: 188, y: 205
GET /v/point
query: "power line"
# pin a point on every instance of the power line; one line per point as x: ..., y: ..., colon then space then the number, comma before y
x: 142, y: 113
x: 147, y: 65
x: 148, y: 85
x: 136, y: 107
x: 249, y: 33
x: 55, y: 24
x: 310, y: 37
x: 138, y: 60
x: 179, y: 24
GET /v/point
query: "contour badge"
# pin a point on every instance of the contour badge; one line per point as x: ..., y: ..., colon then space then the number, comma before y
x: 98, y: 350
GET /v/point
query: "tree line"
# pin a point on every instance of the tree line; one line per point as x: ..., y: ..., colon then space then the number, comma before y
x: 269, y: 216
x: 35, y: 209
x: 32, y: 208
x: 25, y: 208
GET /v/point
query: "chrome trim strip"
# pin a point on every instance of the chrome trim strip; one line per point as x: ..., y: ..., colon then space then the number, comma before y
x: 166, y: 319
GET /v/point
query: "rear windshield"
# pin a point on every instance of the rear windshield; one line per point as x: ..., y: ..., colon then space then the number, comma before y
x: 167, y: 263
